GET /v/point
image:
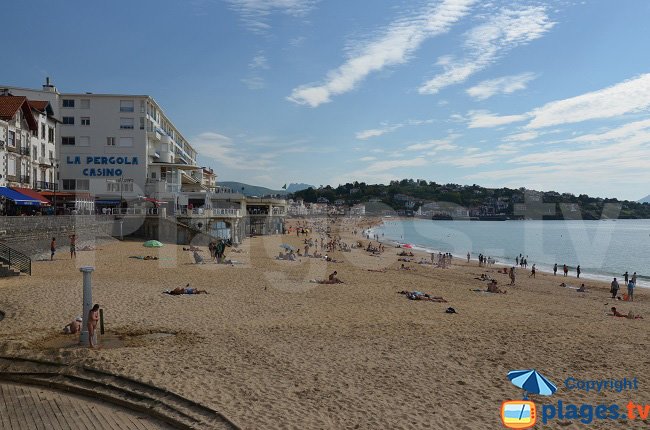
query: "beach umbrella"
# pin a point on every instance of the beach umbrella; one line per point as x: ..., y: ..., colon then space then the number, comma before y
x: 287, y: 247
x: 152, y: 244
x: 531, y: 381
x: 408, y: 245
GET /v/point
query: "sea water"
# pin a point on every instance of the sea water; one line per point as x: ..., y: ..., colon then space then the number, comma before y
x: 603, y: 249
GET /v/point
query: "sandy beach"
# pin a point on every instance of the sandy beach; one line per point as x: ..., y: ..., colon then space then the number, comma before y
x: 270, y: 349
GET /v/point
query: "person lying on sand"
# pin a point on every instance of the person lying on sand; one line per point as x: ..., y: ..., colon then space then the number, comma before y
x: 149, y: 257
x: 191, y: 248
x: 377, y: 270
x: 403, y: 267
x: 417, y: 295
x: 582, y: 289
x: 185, y: 290
x: 630, y: 315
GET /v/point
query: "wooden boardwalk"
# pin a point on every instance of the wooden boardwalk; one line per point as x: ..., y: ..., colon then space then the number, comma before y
x: 24, y: 407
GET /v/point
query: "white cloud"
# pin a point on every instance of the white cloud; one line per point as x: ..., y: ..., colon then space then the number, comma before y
x: 629, y: 96
x: 398, y: 43
x: 382, y: 166
x: 485, y: 119
x: 376, y: 132
x: 255, y: 13
x: 367, y: 158
x: 521, y: 137
x: 254, y: 82
x: 436, y: 144
x: 503, y: 85
x: 224, y: 150
x: 621, y: 132
x: 259, y: 62
x: 488, y: 42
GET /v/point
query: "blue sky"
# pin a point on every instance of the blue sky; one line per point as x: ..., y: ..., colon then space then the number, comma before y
x: 550, y: 95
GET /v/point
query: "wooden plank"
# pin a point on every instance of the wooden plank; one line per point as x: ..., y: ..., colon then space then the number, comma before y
x: 5, y: 413
x: 19, y: 408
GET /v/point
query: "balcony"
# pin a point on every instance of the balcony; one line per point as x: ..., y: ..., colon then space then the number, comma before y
x: 44, y: 162
x: 50, y: 186
x: 25, y: 179
x: 25, y: 150
x: 12, y: 148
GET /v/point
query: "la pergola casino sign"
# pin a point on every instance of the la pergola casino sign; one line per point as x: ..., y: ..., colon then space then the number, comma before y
x: 102, y: 161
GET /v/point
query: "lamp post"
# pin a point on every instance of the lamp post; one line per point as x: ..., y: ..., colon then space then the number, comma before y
x: 54, y: 163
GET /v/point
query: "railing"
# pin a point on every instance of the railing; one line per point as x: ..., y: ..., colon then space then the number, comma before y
x: 223, y: 212
x: 42, y: 185
x: 15, y: 259
x: 25, y: 150
x: 132, y: 211
x: 12, y: 148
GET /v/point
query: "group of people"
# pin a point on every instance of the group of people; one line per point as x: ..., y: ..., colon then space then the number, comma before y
x: 75, y: 325
x: 73, y: 246
x: 629, y: 282
x: 565, y: 270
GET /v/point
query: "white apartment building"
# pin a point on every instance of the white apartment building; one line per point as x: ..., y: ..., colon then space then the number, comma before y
x: 118, y: 147
x: 16, y: 128
x: 43, y: 146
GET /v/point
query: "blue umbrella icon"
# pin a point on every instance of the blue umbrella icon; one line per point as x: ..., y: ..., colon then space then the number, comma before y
x: 531, y: 381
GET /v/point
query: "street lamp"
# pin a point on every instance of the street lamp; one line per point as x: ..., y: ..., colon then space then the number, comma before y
x: 54, y: 163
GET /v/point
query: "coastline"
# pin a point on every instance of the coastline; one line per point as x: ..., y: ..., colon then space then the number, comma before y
x: 271, y: 349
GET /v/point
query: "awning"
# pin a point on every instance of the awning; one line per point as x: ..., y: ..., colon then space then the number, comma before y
x: 33, y: 194
x: 107, y: 202
x: 18, y: 198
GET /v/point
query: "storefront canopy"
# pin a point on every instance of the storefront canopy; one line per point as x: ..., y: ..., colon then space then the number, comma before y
x: 18, y: 198
x: 33, y: 194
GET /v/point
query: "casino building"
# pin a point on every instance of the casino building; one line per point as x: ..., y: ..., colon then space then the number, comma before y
x: 122, y: 151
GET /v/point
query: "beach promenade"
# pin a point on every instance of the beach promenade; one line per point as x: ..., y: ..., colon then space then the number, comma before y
x: 270, y: 349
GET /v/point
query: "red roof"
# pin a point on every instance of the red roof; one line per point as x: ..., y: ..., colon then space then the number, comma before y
x: 39, y: 105
x: 33, y: 194
x: 9, y: 105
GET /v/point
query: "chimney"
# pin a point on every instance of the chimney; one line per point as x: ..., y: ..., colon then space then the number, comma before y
x: 48, y: 87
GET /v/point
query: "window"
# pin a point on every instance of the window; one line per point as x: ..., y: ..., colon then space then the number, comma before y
x: 11, y: 138
x: 141, y: 123
x: 67, y: 140
x: 126, y: 123
x: 68, y: 120
x: 68, y: 184
x: 42, y: 150
x: 141, y: 106
x: 42, y: 136
x: 51, y: 156
x: 34, y: 152
x: 50, y: 134
x: 110, y: 141
x: 85, y: 103
x: 11, y: 166
x: 153, y: 175
x: 68, y: 103
x: 85, y: 120
x: 126, y: 105
x: 83, y: 184
x: 84, y: 141
x: 126, y: 141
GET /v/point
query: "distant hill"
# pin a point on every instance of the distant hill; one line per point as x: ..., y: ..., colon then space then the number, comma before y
x: 646, y: 199
x: 292, y: 188
x: 250, y: 190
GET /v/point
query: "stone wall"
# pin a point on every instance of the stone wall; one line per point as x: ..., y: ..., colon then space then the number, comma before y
x: 32, y: 235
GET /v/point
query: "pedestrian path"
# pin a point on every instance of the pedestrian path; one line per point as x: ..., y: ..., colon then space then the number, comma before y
x: 25, y: 407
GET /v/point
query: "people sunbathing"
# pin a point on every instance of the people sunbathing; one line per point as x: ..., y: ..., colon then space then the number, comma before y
x: 331, y: 279
x: 403, y: 267
x: 417, y: 295
x: 492, y: 288
x: 185, y: 290
x: 630, y: 315
x: 191, y: 248
x: 197, y: 258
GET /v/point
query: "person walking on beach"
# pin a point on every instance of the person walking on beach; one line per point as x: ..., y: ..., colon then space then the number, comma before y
x: 634, y: 278
x: 517, y: 260
x: 566, y: 270
x: 52, y: 248
x: 73, y: 245
x: 532, y: 271
x: 578, y: 271
x: 512, y: 275
x: 468, y: 256
x: 626, y: 276
x: 93, y: 318
x: 630, y: 291
x: 614, y: 288
x: 555, y: 269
